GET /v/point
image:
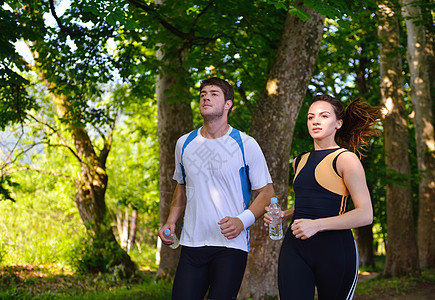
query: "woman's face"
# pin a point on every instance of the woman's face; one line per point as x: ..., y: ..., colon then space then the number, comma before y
x: 322, y: 122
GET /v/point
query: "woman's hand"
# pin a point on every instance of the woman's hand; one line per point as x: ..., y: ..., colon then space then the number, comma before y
x: 305, y: 228
x: 268, y: 219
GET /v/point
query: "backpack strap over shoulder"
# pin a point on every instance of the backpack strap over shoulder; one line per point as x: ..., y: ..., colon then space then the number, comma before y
x: 235, y: 134
x: 190, y: 138
x: 244, y: 171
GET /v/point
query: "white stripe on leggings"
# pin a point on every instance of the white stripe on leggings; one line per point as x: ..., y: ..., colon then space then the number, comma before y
x: 355, y: 280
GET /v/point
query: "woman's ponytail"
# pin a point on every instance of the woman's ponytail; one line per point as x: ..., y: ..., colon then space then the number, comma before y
x: 358, y: 121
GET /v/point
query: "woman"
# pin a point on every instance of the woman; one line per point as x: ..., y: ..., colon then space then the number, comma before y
x: 319, y: 249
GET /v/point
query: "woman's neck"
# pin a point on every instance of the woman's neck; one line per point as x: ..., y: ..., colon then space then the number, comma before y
x: 324, y: 144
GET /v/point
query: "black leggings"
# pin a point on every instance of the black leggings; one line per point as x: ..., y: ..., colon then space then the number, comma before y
x: 218, y: 269
x: 327, y: 260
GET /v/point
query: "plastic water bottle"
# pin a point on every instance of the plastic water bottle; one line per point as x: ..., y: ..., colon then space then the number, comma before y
x: 275, y: 228
x: 174, y: 238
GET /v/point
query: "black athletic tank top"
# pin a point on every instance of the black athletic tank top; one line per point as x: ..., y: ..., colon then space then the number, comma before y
x: 319, y: 191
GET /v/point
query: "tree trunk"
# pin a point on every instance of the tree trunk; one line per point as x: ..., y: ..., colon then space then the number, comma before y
x: 91, y: 189
x: 174, y: 120
x: 272, y: 126
x: 132, y: 230
x: 364, y: 235
x: 429, y: 48
x: 402, y: 256
x: 424, y: 130
x: 364, y: 239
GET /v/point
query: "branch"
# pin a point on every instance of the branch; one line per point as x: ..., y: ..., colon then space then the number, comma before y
x: 104, y: 153
x: 154, y: 13
x: 64, y: 143
x: 244, y: 98
x: 185, y: 36
x: 202, y: 12
x: 44, y: 172
x: 8, y: 157
x: 69, y: 31
x: 12, y: 161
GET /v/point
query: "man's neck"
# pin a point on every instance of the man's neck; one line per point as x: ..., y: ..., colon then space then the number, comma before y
x: 215, y: 129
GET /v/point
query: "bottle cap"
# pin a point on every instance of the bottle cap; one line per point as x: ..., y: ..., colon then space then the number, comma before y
x: 273, y: 200
x: 167, y: 231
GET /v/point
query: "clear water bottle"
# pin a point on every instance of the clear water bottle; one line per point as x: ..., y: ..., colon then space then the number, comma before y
x: 174, y: 238
x: 275, y: 228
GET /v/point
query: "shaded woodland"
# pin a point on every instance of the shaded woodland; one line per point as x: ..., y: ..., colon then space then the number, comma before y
x: 94, y: 95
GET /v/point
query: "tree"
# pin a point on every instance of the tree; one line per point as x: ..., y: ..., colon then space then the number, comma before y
x: 188, y: 42
x: 75, y: 64
x: 427, y: 9
x: 13, y: 94
x: 345, y: 69
x: 424, y: 130
x: 402, y: 256
x: 174, y: 120
x: 272, y: 126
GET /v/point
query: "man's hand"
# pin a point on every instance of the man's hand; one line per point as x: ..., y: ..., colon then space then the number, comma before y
x: 162, y: 235
x: 231, y: 227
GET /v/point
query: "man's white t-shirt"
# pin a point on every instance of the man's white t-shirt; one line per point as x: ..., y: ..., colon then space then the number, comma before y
x: 214, y: 187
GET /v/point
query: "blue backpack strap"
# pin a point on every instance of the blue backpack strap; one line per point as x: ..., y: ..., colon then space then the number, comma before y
x: 244, y: 171
x: 190, y: 138
x: 235, y: 134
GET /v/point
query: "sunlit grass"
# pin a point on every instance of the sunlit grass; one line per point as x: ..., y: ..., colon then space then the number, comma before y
x: 51, y: 282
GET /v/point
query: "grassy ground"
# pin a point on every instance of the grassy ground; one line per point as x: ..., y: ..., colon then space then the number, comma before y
x: 51, y: 282
x: 40, y: 282
x: 409, y: 288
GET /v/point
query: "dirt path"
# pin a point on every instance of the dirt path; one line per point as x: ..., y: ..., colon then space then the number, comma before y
x: 421, y: 291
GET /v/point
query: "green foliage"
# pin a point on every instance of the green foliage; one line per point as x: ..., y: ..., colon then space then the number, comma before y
x: 5, y: 184
x: 40, y: 225
x: 37, y: 229
x: 14, y: 100
x: 103, y: 58
x: 91, y: 255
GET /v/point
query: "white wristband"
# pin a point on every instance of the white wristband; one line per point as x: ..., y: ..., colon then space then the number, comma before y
x: 247, y: 218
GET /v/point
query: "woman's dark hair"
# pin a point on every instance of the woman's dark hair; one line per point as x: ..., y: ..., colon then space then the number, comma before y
x: 358, y: 121
x: 226, y: 88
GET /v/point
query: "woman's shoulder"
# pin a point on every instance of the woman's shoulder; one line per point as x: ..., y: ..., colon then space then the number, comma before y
x: 347, y: 160
x: 346, y: 154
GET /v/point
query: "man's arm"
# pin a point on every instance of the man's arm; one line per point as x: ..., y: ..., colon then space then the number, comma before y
x: 262, y: 199
x: 232, y: 226
x: 178, y: 206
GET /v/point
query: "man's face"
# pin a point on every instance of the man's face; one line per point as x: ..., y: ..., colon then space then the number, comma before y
x: 213, y: 104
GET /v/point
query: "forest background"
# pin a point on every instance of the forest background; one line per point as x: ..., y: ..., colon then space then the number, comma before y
x: 94, y: 95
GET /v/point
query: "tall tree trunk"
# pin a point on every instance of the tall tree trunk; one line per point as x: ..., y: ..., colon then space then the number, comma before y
x: 424, y: 130
x: 272, y: 126
x: 364, y: 235
x: 133, y: 223
x: 364, y: 239
x: 91, y: 189
x: 429, y: 48
x: 402, y: 256
x: 174, y: 120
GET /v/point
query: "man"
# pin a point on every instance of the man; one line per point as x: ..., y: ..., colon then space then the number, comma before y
x: 216, y: 167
